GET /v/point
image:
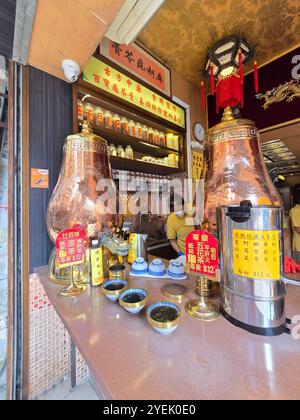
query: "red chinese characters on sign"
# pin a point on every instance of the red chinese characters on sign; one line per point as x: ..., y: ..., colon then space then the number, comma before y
x: 139, y: 62
x: 202, y: 253
x: 70, y: 247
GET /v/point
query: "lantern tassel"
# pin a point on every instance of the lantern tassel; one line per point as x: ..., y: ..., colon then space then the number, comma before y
x: 241, y: 66
x: 212, y: 79
x: 256, y: 81
x: 202, y: 96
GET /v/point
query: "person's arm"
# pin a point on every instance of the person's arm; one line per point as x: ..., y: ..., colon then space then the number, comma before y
x: 171, y: 234
x: 174, y: 245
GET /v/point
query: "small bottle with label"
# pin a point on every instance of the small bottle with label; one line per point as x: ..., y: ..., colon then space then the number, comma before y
x: 96, y: 261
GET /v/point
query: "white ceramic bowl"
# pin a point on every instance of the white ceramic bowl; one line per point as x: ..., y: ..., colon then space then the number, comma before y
x: 139, y: 266
x: 157, y: 268
x: 176, y: 269
x: 167, y: 327
x: 114, y: 293
x: 133, y: 307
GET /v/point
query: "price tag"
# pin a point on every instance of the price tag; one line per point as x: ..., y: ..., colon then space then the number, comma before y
x: 70, y: 247
x: 202, y: 253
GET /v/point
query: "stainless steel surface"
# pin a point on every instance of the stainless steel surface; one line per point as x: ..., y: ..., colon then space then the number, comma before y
x: 258, y: 302
x: 141, y: 246
x: 235, y: 168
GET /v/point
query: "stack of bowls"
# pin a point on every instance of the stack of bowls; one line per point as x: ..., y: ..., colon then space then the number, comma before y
x: 157, y: 268
x: 176, y: 269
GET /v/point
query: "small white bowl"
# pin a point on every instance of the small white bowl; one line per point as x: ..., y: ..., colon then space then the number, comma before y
x: 165, y: 327
x: 139, y: 266
x: 157, y: 268
x: 176, y: 269
x: 133, y: 307
x: 114, y: 295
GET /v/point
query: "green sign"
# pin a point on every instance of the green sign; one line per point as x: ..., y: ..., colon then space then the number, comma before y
x: 118, y: 84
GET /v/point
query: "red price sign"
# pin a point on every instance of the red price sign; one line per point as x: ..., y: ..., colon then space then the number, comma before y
x: 202, y: 253
x: 70, y: 247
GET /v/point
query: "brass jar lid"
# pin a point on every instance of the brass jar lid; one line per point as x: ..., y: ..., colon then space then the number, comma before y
x: 174, y: 291
x: 86, y: 134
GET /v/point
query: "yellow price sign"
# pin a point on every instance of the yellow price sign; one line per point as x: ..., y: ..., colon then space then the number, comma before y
x: 256, y: 254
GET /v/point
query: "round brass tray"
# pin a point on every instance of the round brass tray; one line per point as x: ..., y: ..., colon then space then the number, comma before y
x: 174, y: 291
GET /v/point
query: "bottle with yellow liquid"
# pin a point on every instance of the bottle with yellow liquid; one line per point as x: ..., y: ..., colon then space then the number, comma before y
x: 97, y: 271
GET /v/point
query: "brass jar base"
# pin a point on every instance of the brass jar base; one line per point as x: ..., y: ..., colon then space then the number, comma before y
x: 206, y: 311
x: 72, y: 291
x: 204, y: 288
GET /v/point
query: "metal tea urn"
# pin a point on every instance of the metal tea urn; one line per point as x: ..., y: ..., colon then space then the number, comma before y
x: 251, y: 247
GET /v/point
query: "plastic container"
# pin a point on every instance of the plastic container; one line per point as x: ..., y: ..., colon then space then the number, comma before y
x: 88, y: 113
x: 120, y: 152
x: 170, y: 140
x: 124, y: 126
x: 150, y: 134
x: 131, y: 127
x: 176, y: 142
x: 99, y: 117
x: 117, y: 123
x: 112, y: 150
x: 156, y: 137
x: 145, y: 133
x: 138, y: 131
x: 108, y: 120
x: 162, y: 139
x: 129, y: 152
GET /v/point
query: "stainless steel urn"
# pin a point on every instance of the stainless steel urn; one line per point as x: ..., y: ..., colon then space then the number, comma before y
x: 252, y: 290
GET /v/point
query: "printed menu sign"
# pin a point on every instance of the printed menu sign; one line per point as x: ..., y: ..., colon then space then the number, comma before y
x: 256, y: 254
x: 70, y: 247
x: 202, y: 253
x: 108, y: 79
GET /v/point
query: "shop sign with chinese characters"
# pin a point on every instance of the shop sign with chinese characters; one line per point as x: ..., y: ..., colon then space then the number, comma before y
x: 256, y: 254
x: 139, y: 62
x: 202, y: 253
x: 70, y: 247
x: 110, y: 80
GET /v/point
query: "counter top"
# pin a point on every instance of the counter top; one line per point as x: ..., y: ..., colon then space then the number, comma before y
x: 200, y: 360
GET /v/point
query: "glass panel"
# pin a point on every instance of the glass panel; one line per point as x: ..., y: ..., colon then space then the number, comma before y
x: 3, y: 224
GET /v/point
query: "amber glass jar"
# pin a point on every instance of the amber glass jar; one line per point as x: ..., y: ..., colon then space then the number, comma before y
x: 79, y: 110
x: 124, y: 126
x: 108, y: 120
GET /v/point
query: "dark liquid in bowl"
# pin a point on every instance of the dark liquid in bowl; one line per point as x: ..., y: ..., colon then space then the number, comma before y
x: 164, y: 314
x: 114, y: 286
x: 133, y: 298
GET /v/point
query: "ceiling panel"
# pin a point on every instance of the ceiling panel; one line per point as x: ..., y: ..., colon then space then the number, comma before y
x: 182, y: 31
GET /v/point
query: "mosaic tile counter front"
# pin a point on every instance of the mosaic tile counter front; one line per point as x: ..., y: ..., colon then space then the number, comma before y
x: 49, y: 345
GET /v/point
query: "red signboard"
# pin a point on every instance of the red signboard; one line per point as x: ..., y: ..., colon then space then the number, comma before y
x: 140, y: 63
x: 202, y: 253
x: 70, y: 248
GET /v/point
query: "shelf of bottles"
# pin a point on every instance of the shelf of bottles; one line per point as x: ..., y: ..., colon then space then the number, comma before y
x: 134, y: 141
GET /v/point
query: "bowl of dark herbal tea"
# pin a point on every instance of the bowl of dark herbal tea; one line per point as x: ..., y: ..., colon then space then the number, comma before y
x: 133, y: 300
x: 164, y: 317
x: 112, y: 289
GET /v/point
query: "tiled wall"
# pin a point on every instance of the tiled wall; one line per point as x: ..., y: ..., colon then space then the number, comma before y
x: 49, y: 345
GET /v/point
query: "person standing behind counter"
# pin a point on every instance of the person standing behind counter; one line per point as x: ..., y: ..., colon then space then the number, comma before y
x: 179, y: 224
x: 295, y: 222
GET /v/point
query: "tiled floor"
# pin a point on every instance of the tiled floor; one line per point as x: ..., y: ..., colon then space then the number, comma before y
x: 63, y: 391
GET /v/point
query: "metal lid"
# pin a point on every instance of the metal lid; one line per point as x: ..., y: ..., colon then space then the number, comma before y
x: 174, y: 291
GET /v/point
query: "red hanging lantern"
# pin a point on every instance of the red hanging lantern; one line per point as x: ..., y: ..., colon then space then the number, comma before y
x: 202, y: 96
x: 212, y: 79
x: 256, y: 81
